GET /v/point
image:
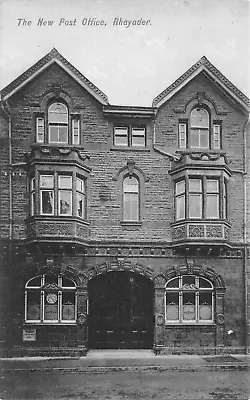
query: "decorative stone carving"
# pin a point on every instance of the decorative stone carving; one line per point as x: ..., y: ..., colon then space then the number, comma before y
x: 213, y: 231
x: 160, y: 319
x: 82, y: 318
x: 196, y: 231
x: 82, y: 231
x: 220, y: 319
x: 179, y: 233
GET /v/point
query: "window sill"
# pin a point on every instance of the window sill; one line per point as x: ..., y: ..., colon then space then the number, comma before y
x: 131, y: 148
x: 131, y: 225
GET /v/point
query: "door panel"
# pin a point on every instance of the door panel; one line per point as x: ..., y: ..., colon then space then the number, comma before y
x: 120, y: 311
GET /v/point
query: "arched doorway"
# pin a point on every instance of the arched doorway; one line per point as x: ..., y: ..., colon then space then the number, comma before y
x: 120, y: 311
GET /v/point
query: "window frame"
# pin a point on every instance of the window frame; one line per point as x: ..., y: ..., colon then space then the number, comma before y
x: 185, y: 127
x: 195, y: 289
x: 36, y: 193
x: 58, y: 124
x: 204, y: 195
x: 42, y: 123
x: 130, y: 135
x: 43, y: 291
x: 130, y: 203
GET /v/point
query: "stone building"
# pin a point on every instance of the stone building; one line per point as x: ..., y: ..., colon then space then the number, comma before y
x: 123, y: 226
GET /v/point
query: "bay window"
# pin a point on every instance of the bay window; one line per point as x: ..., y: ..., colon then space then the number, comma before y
x: 200, y: 198
x: 58, y: 194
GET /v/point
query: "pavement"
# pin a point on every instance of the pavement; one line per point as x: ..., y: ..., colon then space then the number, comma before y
x: 101, y: 361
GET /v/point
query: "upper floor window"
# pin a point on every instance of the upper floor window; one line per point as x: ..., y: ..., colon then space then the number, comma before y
x: 200, y: 198
x: 50, y: 299
x: 189, y: 299
x: 130, y: 199
x: 58, y: 194
x: 59, y: 125
x: 130, y: 136
x: 199, y: 132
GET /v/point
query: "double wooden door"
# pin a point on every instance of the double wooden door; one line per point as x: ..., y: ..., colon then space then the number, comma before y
x: 120, y: 311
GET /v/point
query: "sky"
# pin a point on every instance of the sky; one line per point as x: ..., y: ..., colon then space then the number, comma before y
x: 130, y: 64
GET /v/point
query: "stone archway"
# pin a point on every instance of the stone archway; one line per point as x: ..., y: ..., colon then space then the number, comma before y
x: 120, y: 305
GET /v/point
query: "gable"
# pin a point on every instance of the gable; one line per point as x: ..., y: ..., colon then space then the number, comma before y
x: 204, y: 67
x: 54, y: 57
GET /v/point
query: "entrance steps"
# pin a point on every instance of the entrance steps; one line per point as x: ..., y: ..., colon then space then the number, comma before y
x: 120, y: 354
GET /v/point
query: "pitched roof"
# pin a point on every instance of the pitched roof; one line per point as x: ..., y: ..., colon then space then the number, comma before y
x: 203, y: 65
x: 53, y: 57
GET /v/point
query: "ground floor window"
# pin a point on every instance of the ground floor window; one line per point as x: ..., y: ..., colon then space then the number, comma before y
x: 189, y: 299
x: 50, y: 299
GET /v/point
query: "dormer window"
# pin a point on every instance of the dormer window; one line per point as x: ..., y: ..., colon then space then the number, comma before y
x: 199, y: 132
x: 58, y: 126
x: 199, y: 128
x: 58, y: 123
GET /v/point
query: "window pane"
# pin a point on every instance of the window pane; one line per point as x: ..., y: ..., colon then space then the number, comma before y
x: 213, y: 186
x: 32, y: 203
x: 180, y: 207
x: 80, y: 205
x: 33, y: 305
x: 75, y: 131
x: 195, y: 185
x: 204, y: 138
x: 130, y: 207
x: 130, y: 184
x: 35, y: 282
x: 203, y: 283
x: 51, y: 279
x: 68, y: 305
x: 188, y: 280
x: 195, y: 138
x: 182, y: 135
x: 40, y: 130
x: 79, y: 185
x: 47, y: 202
x: 173, y: 283
x: 67, y: 282
x: 53, y: 134
x: 212, y: 206
x: 47, y: 181
x: 180, y: 187
x: 199, y: 118
x: 50, y: 312
x: 172, y: 306
x: 65, y: 202
x: 63, y: 134
x: 121, y: 136
x: 58, y: 113
x: 188, y: 306
x: 195, y: 206
x: 65, y: 182
x: 138, y: 137
x: 205, y: 306
x: 217, y: 140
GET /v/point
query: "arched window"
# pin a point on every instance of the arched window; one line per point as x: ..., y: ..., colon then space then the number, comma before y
x: 130, y: 199
x: 50, y: 299
x: 189, y: 299
x: 199, y: 121
x: 58, y: 123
